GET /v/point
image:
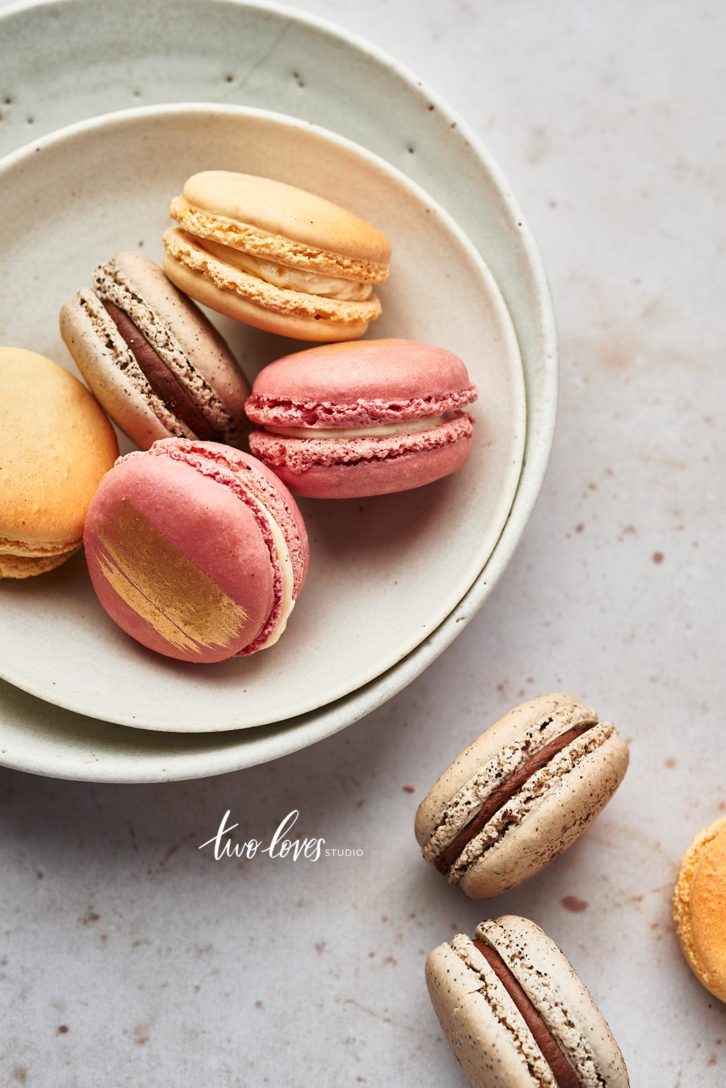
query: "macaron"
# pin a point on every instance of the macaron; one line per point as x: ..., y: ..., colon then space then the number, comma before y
x: 55, y: 446
x: 155, y: 362
x: 520, y: 794
x: 196, y: 550
x: 275, y: 257
x: 699, y: 908
x: 515, y: 1013
x: 368, y: 418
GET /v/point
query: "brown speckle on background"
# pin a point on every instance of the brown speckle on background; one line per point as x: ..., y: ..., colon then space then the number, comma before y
x: 657, y: 557
x: 617, y: 354
x: 573, y: 904
x: 62, y: 1029
x: 408, y: 789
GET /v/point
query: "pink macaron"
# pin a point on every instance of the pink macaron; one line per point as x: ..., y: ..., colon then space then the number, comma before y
x: 364, y: 418
x: 196, y: 550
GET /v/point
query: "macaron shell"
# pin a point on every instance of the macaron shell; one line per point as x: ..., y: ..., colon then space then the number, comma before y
x: 546, y: 828
x: 159, y: 542
x: 561, y: 998
x: 380, y: 476
x: 699, y: 908
x: 264, y: 315
x: 198, y: 339
x: 55, y: 447
x: 281, y: 209
x: 490, y: 1053
x: 125, y: 393
x: 372, y: 370
x: 506, y: 731
x: 261, y: 482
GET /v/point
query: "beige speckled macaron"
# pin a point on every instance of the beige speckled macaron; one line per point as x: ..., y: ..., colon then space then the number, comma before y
x: 699, y: 907
x: 156, y: 364
x: 55, y: 447
x: 515, y: 1013
x: 517, y: 797
x: 275, y: 257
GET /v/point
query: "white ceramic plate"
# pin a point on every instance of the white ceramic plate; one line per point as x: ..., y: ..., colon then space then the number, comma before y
x: 384, y: 572
x: 286, y: 61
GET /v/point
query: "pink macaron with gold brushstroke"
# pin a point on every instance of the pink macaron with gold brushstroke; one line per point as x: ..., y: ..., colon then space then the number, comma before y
x: 364, y: 418
x: 196, y: 550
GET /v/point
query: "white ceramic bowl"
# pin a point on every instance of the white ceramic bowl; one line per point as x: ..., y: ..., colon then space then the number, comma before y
x: 420, y: 134
x: 384, y: 572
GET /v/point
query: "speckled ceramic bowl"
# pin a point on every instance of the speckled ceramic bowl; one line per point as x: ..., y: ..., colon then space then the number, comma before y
x: 431, y: 146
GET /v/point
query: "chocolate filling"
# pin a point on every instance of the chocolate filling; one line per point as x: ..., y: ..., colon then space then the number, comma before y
x: 167, y: 386
x: 504, y: 793
x: 562, y: 1071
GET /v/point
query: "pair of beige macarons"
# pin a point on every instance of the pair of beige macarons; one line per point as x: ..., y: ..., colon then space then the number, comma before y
x: 509, y: 1002
x: 511, y: 1006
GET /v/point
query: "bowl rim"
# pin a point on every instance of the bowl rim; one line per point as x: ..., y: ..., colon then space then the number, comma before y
x: 151, y: 121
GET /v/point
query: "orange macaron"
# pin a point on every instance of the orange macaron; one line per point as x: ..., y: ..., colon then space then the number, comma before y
x: 56, y: 444
x: 699, y: 907
x: 275, y: 257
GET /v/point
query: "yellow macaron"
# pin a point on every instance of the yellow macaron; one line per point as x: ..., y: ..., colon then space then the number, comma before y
x: 699, y: 907
x: 275, y: 257
x: 55, y: 446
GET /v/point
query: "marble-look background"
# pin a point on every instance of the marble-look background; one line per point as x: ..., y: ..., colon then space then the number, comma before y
x: 130, y: 957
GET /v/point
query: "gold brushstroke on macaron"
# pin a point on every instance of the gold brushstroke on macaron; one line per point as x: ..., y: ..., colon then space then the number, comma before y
x: 184, y: 605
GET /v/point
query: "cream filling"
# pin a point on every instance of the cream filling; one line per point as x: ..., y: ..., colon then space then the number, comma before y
x: 375, y: 430
x: 289, y: 279
x: 282, y: 553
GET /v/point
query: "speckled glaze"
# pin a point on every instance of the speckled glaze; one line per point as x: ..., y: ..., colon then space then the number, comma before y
x: 248, y: 53
x: 486, y: 1030
x: 547, y: 812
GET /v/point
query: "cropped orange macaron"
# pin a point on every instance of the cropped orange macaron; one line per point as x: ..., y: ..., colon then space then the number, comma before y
x: 699, y: 907
x: 56, y: 444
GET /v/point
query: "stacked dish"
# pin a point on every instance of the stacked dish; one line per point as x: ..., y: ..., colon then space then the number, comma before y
x: 393, y: 579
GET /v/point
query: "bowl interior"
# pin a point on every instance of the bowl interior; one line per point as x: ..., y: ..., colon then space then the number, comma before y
x: 384, y: 572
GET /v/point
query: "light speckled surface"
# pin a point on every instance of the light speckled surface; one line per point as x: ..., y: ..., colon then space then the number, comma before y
x: 167, y: 967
